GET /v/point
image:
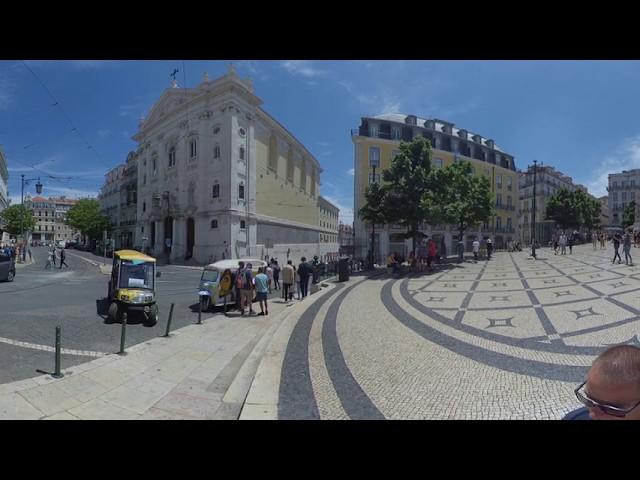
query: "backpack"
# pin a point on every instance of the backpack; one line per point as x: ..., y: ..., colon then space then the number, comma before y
x: 239, y: 279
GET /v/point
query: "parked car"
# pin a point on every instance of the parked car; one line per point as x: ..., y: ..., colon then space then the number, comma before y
x: 7, y: 268
x: 71, y: 245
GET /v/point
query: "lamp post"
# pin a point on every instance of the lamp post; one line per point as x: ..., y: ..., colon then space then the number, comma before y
x: 533, y: 215
x: 373, y: 230
x: 38, y: 191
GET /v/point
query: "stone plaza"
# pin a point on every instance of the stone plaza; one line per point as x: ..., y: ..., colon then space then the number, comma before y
x: 509, y: 338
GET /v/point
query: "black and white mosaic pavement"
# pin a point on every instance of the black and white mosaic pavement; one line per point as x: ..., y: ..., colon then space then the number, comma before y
x: 507, y: 338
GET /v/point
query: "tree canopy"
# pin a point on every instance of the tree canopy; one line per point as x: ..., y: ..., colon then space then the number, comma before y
x: 11, y: 218
x: 629, y: 214
x: 86, y: 217
x: 573, y: 209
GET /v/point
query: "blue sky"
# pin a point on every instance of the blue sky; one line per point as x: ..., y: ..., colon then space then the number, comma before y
x: 580, y: 116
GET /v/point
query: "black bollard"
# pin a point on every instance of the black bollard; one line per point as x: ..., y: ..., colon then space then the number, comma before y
x: 58, y: 373
x: 123, y: 334
x: 199, y: 312
x: 169, y: 321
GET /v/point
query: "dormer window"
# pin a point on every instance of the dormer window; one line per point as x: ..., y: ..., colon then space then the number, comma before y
x: 411, y: 120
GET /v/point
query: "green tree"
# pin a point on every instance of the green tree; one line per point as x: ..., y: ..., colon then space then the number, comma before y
x: 464, y: 199
x: 407, y: 183
x: 11, y: 218
x: 86, y: 217
x: 373, y: 210
x: 629, y: 215
x: 563, y: 209
x: 589, y: 209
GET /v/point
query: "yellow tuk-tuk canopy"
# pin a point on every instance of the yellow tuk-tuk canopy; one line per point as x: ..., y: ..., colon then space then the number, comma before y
x: 133, y: 255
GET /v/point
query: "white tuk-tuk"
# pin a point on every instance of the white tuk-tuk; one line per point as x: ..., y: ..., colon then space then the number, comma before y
x: 216, y: 283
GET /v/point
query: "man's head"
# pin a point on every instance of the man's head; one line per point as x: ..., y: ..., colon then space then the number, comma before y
x: 289, y: 262
x: 241, y: 264
x: 303, y: 259
x: 614, y: 380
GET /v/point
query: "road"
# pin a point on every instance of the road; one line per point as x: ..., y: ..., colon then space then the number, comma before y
x: 38, y: 300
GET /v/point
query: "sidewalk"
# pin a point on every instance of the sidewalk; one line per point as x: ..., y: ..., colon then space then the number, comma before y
x: 199, y: 372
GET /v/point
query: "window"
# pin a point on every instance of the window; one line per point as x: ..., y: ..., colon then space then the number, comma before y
x: 193, y: 149
x: 144, y: 179
x: 615, y: 184
x: 216, y: 129
x: 243, y: 224
x: 395, y: 133
x: 373, y: 130
x: 498, y: 199
x: 374, y: 180
x: 509, y: 201
x: 273, y: 153
x: 154, y: 162
x: 172, y: 156
x: 241, y: 191
x: 144, y: 206
x: 509, y: 183
x: 216, y: 190
x: 216, y: 151
x: 214, y: 223
x: 498, y: 222
x: 374, y: 157
x: 438, y: 162
x: 498, y: 181
x: 290, y: 165
x: 509, y: 223
x: 624, y: 196
x: 303, y: 175
x: 241, y: 152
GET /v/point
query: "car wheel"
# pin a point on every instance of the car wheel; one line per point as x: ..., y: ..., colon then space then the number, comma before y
x: 10, y: 276
x: 152, y: 317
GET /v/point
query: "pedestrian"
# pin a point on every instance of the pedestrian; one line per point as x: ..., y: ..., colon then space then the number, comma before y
x: 616, y: 246
x: 627, y: 248
x: 296, y: 284
x: 276, y: 274
x: 269, y: 273
x: 570, y: 241
x: 262, y: 282
x: 304, y: 272
x: 288, y: 277
x: 489, y: 248
x: 555, y: 244
x: 53, y: 256
x: 49, y: 260
x: 30, y: 255
x: 246, y: 291
x: 612, y: 388
x: 563, y: 243
x: 63, y: 255
x: 476, y: 249
x: 431, y: 253
x: 237, y: 284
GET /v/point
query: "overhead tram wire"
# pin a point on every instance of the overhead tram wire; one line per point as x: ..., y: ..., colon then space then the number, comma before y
x: 67, y: 117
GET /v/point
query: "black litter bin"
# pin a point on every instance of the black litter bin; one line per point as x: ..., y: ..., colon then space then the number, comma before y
x: 343, y: 269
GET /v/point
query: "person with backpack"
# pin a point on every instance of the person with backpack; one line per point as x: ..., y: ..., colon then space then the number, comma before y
x: 245, y: 281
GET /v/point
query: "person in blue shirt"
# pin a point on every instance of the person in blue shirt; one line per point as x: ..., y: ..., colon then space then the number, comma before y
x: 262, y: 290
x: 612, y: 388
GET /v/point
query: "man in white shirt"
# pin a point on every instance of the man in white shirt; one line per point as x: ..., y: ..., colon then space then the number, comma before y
x: 476, y: 249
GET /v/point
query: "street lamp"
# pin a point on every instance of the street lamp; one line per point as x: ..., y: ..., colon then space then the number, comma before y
x: 38, y: 191
x: 533, y: 216
x: 373, y: 230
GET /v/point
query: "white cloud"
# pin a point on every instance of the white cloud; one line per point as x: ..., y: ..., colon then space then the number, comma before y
x: 303, y: 68
x: 625, y: 157
x: 346, y: 208
x: 72, y: 192
x: 351, y: 172
x: 387, y: 102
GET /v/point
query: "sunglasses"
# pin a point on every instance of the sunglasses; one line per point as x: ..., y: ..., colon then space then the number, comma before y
x: 607, y: 409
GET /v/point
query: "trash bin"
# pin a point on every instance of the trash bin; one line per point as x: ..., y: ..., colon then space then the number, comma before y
x: 343, y: 269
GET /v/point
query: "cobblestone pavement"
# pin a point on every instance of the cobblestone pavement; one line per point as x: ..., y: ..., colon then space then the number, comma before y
x: 506, y: 339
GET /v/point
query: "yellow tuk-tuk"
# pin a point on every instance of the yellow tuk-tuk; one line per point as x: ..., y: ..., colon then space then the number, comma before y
x: 132, y: 286
x: 216, y: 283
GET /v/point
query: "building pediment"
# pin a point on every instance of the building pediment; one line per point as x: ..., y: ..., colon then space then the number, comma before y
x: 171, y: 99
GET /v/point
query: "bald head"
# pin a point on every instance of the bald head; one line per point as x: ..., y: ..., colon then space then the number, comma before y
x: 619, y: 364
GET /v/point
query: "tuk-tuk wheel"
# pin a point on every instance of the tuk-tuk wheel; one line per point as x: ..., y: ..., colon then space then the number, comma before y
x: 205, y: 302
x: 113, y: 312
x: 152, y: 316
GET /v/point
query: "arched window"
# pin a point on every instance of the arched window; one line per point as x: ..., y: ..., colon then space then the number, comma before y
x: 172, y: 157
x: 193, y: 151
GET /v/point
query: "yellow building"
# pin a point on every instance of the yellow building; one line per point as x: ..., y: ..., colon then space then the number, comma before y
x: 377, y: 141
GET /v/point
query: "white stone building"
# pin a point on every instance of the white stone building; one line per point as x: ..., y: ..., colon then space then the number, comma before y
x: 218, y: 177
